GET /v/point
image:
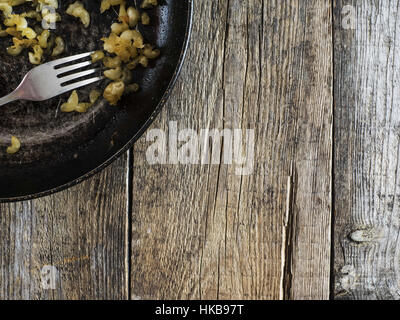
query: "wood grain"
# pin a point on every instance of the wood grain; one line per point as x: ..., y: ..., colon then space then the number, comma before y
x: 366, y: 159
x: 80, y: 231
x: 203, y: 232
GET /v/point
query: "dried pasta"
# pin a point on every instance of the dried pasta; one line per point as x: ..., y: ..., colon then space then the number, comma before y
x: 123, y: 50
x: 15, y: 145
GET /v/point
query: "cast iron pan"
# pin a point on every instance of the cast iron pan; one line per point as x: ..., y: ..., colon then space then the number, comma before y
x: 58, y: 149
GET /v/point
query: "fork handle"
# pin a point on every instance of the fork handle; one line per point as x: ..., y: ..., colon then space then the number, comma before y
x: 9, y: 98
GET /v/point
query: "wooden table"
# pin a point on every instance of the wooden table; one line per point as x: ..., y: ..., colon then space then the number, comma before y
x: 317, y: 219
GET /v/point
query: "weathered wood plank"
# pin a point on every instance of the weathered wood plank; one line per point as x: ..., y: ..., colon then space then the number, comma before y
x: 204, y: 232
x: 366, y: 159
x: 80, y: 231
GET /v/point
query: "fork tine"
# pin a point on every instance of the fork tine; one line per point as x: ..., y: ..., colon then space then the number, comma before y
x: 73, y: 67
x: 69, y: 59
x: 78, y: 75
x: 83, y: 83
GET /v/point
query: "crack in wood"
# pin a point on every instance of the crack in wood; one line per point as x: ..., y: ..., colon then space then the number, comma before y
x: 288, y: 230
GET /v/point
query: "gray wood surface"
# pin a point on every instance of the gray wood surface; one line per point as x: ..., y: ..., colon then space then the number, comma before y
x: 202, y: 231
x: 321, y: 93
x: 82, y: 232
x: 367, y: 122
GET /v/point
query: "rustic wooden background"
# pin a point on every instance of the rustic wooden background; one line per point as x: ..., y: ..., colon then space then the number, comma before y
x: 319, y: 218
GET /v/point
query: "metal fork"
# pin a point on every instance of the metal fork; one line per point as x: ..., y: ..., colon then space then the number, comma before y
x: 49, y: 80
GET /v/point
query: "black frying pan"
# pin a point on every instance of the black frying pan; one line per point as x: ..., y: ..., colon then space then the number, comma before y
x: 60, y: 150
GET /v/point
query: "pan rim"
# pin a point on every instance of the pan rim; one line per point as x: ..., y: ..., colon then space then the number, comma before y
x: 132, y: 141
